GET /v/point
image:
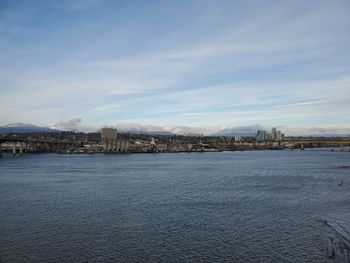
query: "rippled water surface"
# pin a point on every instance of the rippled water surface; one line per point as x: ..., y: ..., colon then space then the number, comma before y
x: 263, y: 206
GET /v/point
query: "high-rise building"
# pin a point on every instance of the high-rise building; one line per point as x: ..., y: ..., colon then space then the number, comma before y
x: 274, y: 134
x: 279, y: 136
x: 262, y: 136
x: 237, y: 138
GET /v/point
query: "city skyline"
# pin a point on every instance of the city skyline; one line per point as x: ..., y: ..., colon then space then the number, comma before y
x: 85, y: 64
x: 76, y: 125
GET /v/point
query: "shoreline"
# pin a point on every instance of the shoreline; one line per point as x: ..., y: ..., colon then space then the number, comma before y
x: 9, y: 154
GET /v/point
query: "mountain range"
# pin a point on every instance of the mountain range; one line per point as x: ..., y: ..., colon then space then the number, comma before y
x: 134, y: 128
x: 25, y: 128
x: 137, y: 129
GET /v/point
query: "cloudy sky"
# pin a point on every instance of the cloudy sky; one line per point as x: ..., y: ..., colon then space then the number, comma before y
x: 190, y: 63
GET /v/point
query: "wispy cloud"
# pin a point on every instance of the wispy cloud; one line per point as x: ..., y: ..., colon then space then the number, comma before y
x: 108, y: 107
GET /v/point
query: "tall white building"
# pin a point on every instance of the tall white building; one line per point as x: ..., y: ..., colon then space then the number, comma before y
x: 279, y: 136
x: 262, y: 136
x: 274, y: 134
x: 237, y: 138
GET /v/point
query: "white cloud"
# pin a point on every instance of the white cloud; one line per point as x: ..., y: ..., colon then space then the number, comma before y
x: 68, y: 125
x: 270, y: 64
x: 249, y: 130
x: 107, y: 107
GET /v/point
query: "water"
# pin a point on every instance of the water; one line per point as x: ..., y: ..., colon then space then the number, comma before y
x: 263, y: 206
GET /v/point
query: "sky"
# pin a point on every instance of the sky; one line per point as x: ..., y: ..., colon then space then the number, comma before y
x: 181, y: 63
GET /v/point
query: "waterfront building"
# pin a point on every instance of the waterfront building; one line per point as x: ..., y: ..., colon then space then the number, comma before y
x: 109, y: 139
x: 108, y: 134
x: 111, y: 143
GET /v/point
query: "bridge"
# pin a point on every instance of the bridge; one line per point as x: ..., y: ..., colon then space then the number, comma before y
x: 320, y: 143
x: 34, y: 145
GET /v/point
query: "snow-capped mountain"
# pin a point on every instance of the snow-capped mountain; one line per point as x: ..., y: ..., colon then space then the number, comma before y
x: 24, y: 128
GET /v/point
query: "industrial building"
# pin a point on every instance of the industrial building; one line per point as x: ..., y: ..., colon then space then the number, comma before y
x: 111, y: 143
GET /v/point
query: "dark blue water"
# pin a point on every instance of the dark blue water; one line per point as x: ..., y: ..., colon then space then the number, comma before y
x: 263, y: 206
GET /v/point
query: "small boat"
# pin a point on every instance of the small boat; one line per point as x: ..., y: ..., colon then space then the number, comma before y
x: 341, y: 183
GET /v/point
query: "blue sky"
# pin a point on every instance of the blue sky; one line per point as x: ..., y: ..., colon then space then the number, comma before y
x: 190, y: 63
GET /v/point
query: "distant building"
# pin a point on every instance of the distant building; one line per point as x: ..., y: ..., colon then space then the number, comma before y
x: 109, y: 139
x: 262, y: 136
x: 274, y: 134
x: 108, y: 134
x: 278, y: 136
x: 111, y: 143
x: 238, y: 138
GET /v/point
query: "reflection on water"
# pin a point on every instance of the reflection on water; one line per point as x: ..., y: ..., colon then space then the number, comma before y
x: 265, y: 206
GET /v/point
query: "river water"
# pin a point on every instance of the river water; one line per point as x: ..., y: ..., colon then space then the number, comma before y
x: 258, y: 206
